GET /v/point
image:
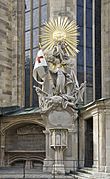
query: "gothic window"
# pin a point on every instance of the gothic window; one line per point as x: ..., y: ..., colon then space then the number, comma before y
x: 35, y: 16
x: 89, y: 57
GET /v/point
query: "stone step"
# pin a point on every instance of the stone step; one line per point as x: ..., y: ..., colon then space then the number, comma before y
x: 32, y: 176
x: 84, y: 173
x: 82, y: 176
x: 88, y: 170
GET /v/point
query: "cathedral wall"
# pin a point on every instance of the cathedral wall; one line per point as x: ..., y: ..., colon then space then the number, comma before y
x: 62, y: 8
x: 11, y: 62
x: 105, y: 48
x: 0, y: 144
x: 5, y: 52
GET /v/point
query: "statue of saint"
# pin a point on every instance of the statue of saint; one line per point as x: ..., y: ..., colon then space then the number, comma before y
x: 55, y: 67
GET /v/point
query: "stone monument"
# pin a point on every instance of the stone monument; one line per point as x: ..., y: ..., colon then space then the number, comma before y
x: 59, y: 92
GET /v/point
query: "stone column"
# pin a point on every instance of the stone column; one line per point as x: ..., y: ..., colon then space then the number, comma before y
x: 102, y: 140
x: 105, y: 48
x: 74, y: 148
x: 47, y: 167
x: 99, y: 141
x: 107, y: 146
x: 2, y: 149
x: 95, y: 140
x: 46, y: 132
x: 81, y: 142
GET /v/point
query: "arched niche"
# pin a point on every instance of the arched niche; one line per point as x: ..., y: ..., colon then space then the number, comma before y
x: 24, y: 142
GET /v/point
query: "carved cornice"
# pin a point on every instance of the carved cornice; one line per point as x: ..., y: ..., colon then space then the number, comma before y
x: 99, y: 106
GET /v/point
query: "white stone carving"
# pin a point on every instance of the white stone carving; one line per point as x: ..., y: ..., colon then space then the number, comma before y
x: 59, y: 144
x: 60, y: 85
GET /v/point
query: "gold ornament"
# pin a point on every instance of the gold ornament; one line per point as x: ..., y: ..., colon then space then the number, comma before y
x: 60, y: 30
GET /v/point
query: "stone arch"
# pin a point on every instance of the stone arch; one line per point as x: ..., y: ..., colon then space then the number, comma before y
x: 30, y: 150
x: 24, y: 158
x: 21, y: 121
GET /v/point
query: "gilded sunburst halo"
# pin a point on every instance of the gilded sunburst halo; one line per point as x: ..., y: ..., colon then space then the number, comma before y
x: 60, y: 30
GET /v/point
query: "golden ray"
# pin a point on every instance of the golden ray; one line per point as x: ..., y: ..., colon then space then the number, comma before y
x: 62, y: 21
x: 58, y: 30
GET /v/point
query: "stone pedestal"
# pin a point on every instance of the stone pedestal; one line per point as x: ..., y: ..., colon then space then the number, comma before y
x: 60, y: 137
x: 58, y: 166
x: 58, y: 144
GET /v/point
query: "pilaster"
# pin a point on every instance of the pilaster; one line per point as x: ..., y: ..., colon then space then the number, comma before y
x: 2, y: 150
x: 105, y: 48
x: 81, y: 142
x: 107, y: 146
x: 99, y: 140
x: 47, y: 167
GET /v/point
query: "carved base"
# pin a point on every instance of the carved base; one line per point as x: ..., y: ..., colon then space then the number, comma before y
x: 47, y: 166
x: 58, y: 169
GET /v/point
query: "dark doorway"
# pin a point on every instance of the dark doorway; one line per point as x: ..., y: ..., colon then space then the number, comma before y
x: 89, y: 142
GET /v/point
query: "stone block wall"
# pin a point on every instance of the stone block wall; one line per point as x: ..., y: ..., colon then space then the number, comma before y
x: 62, y: 8
x: 5, y: 52
x: 11, y: 62
x: 105, y: 48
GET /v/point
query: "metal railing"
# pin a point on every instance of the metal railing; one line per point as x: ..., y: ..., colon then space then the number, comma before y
x: 52, y: 169
x: 72, y: 167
